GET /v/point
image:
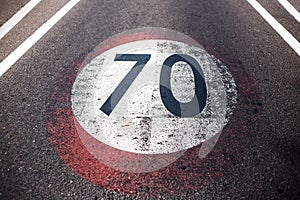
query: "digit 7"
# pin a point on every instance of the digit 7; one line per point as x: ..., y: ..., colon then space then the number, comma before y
x: 118, y: 93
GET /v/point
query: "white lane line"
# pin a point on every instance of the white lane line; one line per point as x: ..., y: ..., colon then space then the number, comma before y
x: 5, y: 28
x: 38, y: 34
x: 289, y: 38
x: 291, y: 9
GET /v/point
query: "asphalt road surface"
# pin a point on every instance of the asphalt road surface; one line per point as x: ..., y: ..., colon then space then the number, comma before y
x: 256, y: 157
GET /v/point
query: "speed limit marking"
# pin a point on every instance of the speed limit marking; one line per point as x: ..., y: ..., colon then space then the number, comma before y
x: 142, y: 112
x: 153, y: 96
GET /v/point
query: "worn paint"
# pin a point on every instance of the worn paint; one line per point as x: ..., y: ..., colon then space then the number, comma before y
x: 140, y: 123
x: 184, y: 171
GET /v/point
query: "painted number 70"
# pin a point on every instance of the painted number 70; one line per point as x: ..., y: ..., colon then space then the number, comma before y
x: 189, y: 109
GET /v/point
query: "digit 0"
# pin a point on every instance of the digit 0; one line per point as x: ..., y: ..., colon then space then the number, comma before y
x: 197, y: 104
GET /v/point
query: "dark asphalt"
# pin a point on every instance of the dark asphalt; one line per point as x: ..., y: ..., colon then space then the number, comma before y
x: 34, y: 19
x: 9, y: 8
x: 265, y: 166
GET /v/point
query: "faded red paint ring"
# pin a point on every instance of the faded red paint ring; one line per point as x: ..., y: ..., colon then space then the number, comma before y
x: 188, y: 172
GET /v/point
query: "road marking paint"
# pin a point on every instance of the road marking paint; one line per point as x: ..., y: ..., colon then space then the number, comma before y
x: 290, y: 8
x: 141, y: 121
x: 14, y: 20
x: 287, y: 36
x: 124, y: 171
x: 35, y: 37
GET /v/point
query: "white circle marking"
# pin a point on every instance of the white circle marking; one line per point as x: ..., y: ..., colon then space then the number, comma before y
x: 140, y: 123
